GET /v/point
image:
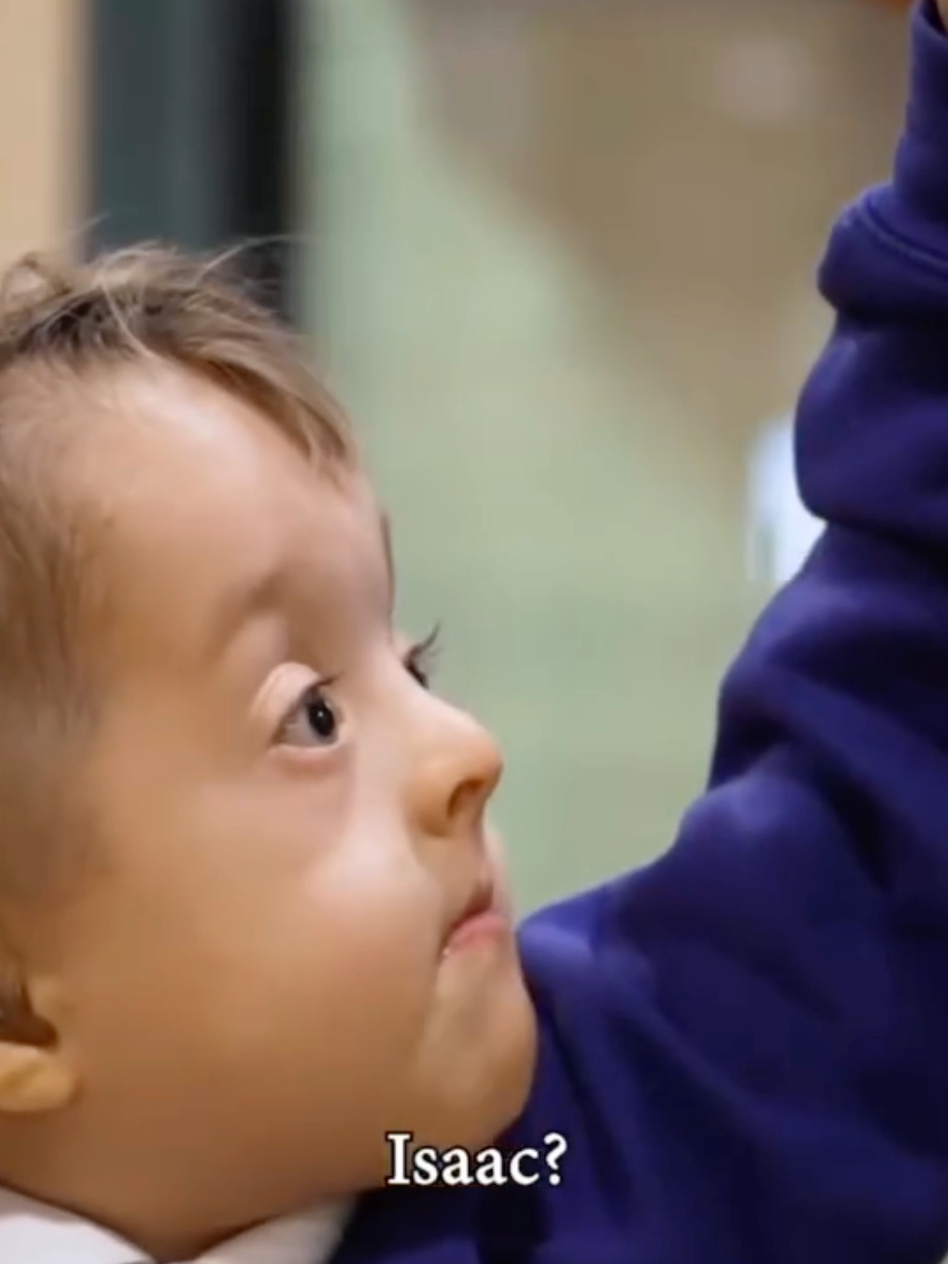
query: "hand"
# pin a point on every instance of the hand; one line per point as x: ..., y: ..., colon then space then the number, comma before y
x: 943, y: 11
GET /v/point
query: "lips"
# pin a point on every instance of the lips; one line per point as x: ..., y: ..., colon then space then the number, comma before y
x: 481, y: 902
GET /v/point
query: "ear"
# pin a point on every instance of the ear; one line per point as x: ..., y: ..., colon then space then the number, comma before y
x: 36, y: 1076
x: 34, y: 1080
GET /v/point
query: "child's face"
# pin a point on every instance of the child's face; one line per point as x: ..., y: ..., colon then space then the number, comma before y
x: 254, y: 985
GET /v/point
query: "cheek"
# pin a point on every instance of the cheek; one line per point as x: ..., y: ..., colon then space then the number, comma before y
x: 288, y: 945
x: 365, y: 935
x: 376, y: 916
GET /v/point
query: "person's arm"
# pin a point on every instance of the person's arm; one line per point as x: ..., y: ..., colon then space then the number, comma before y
x: 747, y: 1043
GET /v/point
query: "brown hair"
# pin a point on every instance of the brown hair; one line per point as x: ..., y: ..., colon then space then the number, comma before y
x: 59, y: 325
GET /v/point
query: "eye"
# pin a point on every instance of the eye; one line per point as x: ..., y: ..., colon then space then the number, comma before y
x: 314, y: 720
x: 419, y: 661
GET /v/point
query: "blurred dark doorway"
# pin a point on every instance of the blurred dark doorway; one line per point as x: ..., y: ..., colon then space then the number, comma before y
x: 193, y: 119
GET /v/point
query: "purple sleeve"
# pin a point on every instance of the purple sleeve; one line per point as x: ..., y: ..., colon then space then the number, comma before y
x: 747, y: 1042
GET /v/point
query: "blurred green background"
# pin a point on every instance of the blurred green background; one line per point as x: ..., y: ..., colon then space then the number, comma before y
x: 562, y: 271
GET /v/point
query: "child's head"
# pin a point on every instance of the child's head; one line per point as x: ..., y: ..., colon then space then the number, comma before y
x: 235, y: 828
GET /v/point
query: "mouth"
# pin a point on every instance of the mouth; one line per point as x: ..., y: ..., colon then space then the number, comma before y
x: 480, y: 921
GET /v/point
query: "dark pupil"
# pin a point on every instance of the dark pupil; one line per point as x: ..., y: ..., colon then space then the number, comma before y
x: 321, y: 717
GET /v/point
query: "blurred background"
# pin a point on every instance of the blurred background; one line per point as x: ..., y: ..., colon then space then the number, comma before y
x: 557, y: 256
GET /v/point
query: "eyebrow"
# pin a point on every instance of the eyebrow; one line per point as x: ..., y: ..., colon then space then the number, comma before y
x: 252, y: 596
x: 239, y: 603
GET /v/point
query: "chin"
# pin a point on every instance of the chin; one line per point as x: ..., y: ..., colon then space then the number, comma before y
x: 489, y: 1090
x: 515, y: 1078
x: 473, y: 1093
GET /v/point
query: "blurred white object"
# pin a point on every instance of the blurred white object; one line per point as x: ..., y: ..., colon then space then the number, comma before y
x: 782, y: 531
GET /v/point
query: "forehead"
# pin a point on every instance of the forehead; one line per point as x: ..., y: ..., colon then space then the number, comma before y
x: 213, y: 512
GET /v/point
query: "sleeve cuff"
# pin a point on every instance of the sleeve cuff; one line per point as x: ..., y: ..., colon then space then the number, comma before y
x: 928, y: 91
x: 913, y: 208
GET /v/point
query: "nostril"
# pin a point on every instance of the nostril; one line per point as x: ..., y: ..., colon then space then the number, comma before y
x: 466, y: 801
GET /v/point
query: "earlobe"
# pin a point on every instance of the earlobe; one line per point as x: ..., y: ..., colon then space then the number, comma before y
x: 35, y: 1074
x: 34, y: 1080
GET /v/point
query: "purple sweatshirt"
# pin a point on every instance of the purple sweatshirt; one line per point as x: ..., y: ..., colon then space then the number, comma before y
x: 746, y: 1043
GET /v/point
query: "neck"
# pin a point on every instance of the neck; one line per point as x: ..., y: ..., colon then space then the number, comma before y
x: 143, y: 1202
x: 31, y: 1229
x: 159, y: 1230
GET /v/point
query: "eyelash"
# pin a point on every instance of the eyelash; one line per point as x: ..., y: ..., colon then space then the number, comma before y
x: 418, y: 662
x: 421, y: 658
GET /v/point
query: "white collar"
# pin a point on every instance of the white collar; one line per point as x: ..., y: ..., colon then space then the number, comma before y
x: 36, y: 1233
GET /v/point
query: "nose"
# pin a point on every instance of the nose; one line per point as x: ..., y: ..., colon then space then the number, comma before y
x: 455, y: 773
